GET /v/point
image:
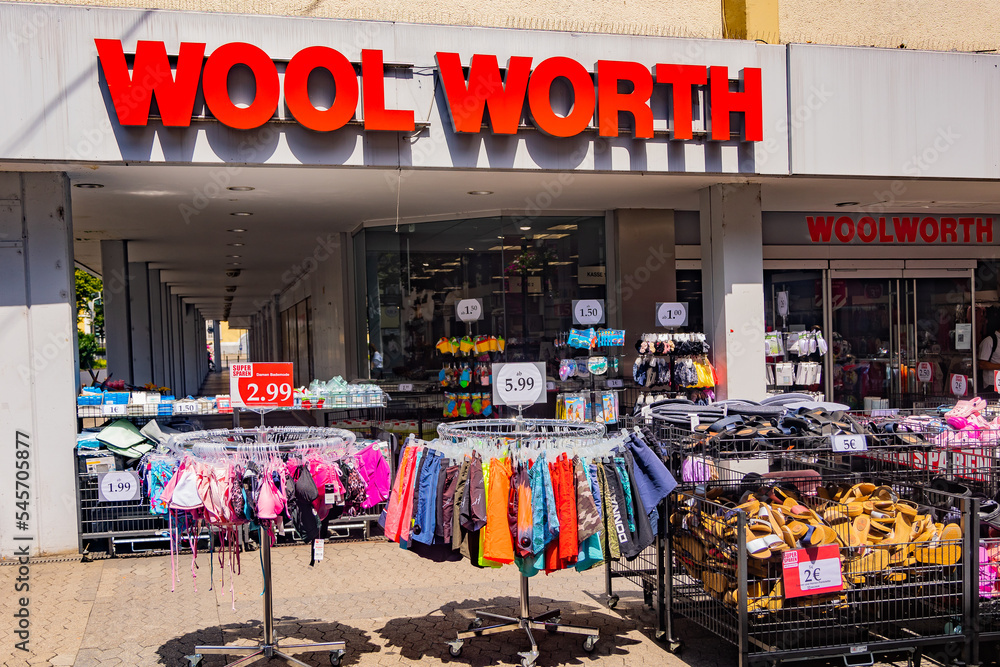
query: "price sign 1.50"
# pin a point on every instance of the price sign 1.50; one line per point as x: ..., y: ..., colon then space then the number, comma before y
x: 519, y: 384
x: 588, y: 312
x: 263, y: 385
x: 469, y: 310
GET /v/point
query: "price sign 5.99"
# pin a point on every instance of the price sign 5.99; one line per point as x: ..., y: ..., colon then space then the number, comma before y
x: 261, y: 385
x: 518, y: 384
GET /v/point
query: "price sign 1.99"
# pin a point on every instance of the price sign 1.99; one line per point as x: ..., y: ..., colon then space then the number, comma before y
x: 671, y: 314
x: 469, y: 310
x: 261, y: 385
x: 588, y: 312
x: 118, y: 487
x: 518, y: 384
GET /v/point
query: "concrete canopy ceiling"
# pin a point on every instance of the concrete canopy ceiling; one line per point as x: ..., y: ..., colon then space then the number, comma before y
x: 177, y: 217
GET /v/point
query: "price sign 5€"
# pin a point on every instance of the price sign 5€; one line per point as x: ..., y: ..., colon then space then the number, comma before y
x: 118, y: 487
x: 469, y: 310
x: 261, y: 385
x: 588, y: 312
x: 519, y: 384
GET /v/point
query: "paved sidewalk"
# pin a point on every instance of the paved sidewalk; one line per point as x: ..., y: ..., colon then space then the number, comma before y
x: 389, y: 605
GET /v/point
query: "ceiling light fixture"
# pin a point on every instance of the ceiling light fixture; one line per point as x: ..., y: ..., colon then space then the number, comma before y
x: 238, y: 230
x: 480, y: 192
x: 88, y: 186
x: 234, y: 256
x: 241, y: 214
x: 847, y: 203
x: 525, y: 229
x: 234, y: 264
x: 235, y: 245
x: 240, y: 188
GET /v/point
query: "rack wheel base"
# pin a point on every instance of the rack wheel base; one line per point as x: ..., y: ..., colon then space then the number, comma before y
x: 612, y: 602
x: 455, y: 647
x: 555, y: 621
x: 194, y: 660
x: 589, y: 643
x: 336, y: 657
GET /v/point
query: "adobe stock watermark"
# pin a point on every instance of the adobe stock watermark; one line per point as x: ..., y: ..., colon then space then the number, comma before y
x: 22, y: 538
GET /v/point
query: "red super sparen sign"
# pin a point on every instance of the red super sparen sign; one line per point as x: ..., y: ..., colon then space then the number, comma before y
x: 261, y: 385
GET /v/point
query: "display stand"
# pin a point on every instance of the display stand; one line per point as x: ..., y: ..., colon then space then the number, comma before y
x: 282, y: 439
x: 519, y: 430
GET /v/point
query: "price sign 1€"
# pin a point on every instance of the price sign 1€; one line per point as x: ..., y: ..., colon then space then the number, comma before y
x: 925, y: 373
x: 671, y: 314
x: 588, y: 312
x: 959, y: 384
x: 519, y: 384
x: 469, y: 310
x: 812, y: 571
x: 118, y: 487
x: 261, y: 385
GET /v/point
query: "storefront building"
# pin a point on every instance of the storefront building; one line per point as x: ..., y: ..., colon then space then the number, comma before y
x: 336, y: 185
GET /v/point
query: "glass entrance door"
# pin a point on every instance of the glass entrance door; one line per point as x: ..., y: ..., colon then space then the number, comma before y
x: 885, y: 326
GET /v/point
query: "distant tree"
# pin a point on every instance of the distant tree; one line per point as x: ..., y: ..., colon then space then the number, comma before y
x: 89, y: 288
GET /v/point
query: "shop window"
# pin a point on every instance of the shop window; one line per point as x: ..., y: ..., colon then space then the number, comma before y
x: 296, y: 329
x: 526, y: 271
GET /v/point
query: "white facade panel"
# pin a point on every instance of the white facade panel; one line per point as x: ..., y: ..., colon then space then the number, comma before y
x: 65, y: 114
x: 893, y: 113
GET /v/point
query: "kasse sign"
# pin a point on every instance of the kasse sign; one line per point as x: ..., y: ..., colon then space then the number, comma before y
x: 482, y: 94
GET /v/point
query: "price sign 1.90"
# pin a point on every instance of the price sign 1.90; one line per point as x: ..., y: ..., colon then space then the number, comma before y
x: 469, y: 310
x: 263, y: 385
x: 671, y: 314
x: 518, y: 384
x: 118, y: 487
x: 588, y: 312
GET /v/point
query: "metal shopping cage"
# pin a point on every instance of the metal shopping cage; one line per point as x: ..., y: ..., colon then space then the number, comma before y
x: 917, y: 607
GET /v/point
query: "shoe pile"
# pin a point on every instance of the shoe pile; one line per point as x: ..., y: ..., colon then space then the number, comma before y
x: 882, y: 538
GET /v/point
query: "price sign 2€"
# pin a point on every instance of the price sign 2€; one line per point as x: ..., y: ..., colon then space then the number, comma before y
x: 588, y: 312
x: 812, y: 571
x: 261, y: 385
x: 519, y: 384
x: 469, y: 310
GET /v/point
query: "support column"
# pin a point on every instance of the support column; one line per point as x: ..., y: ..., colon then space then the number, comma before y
x: 38, y: 367
x: 191, y: 382
x: 217, y: 344
x: 142, y: 337
x: 647, y: 268
x: 117, y: 318
x: 732, y: 267
x: 156, y: 328
x: 177, y: 346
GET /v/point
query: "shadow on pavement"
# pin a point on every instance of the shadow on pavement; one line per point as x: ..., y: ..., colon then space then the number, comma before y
x: 427, y: 636
x: 287, y: 630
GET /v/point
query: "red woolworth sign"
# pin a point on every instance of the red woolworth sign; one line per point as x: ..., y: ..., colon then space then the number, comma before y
x: 468, y: 96
x: 914, y: 229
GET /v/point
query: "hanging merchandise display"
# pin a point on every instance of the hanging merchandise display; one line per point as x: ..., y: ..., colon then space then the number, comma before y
x: 263, y: 479
x: 543, y: 495
x: 674, y: 364
x: 589, y: 403
x: 793, y: 360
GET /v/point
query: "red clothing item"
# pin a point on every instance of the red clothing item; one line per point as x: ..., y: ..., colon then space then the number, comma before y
x: 563, y: 553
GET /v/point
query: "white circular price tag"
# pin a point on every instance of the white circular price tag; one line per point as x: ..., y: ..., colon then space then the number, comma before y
x: 587, y: 312
x: 671, y: 314
x: 519, y: 384
x: 925, y: 373
x: 469, y: 310
x: 117, y: 487
x: 996, y: 380
x: 959, y: 384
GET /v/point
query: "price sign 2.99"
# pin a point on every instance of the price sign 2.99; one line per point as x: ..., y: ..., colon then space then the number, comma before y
x: 261, y: 385
x: 519, y: 384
